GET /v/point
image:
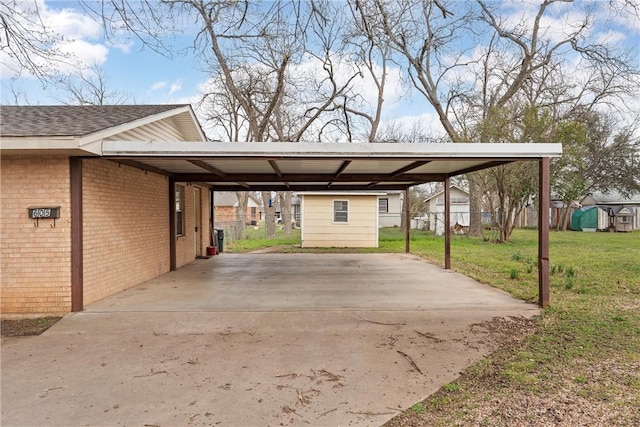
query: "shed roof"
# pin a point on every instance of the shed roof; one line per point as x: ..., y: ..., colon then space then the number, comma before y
x: 442, y: 192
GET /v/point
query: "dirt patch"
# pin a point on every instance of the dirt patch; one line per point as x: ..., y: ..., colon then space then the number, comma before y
x: 27, y: 327
x: 600, y: 392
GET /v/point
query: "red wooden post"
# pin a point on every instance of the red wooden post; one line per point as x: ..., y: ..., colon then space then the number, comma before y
x: 77, y: 286
x: 543, y: 234
x: 172, y: 224
x: 447, y: 223
x: 407, y: 222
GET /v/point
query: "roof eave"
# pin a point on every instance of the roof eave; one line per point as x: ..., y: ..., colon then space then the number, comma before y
x: 124, y: 127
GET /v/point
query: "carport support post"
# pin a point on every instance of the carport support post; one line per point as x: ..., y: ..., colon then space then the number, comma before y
x: 447, y: 223
x: 543, y: 233
x: 77, y: 287
x: 407, y: 222
x: 172, y: 223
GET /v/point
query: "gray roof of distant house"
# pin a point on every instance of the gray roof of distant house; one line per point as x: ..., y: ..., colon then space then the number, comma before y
x: 223, y: 198
x: 71, y: 120
x: 615, y: 197
x: 229, y: 198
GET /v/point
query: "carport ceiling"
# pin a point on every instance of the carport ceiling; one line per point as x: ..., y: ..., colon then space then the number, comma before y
x: 318, y: 166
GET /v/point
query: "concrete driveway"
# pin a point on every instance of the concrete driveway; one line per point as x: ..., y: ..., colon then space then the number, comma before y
x: 258, y: 339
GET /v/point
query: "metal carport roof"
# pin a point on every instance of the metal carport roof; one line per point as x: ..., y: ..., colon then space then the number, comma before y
x: 307, y: 166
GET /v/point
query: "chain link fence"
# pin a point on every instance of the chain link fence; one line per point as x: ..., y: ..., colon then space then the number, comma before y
x: 236, y: 228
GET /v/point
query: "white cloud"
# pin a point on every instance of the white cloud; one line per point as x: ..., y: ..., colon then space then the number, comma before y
x: 158, y: 85
x: 123, y: 46
x: 85, y: 53
x: 70, y: 23
x: 610, y: 37
x: 175, y: 87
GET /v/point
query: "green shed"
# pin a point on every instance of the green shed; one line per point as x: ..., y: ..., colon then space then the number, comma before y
x: 590, y: 218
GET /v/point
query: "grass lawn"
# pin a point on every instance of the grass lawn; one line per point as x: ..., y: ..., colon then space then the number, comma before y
x: 580, y: 363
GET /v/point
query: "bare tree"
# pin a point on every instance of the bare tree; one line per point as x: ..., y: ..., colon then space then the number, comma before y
x: 27, y: 45
x: 17, y: 95
x: 258, y: 58
x: 91, y: 87
x: 443, y: 44
x: 373, y: 55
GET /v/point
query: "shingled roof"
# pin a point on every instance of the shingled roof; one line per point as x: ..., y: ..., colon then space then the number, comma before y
x: 71, y: 120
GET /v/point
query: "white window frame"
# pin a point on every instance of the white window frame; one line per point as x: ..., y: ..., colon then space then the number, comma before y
x: 180, y: 216
x: 386, y: 210
x: 333, y: 210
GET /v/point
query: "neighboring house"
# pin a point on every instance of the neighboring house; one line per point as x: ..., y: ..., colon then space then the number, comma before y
x: 77, y: 228
x: 226, y: 209
x: 459, y: 210
x: 340, y: 219
x: 613, y: 203
x: 295, y: 210
x: 390, y: 209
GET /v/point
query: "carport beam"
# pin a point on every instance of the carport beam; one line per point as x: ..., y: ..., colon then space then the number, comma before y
x: 447, y: 223
x: 172, y: 224
x: 543, y: 233
x: 407, y: 222
x: 77, y: 269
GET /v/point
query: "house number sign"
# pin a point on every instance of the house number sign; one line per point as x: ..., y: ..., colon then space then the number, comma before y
x: 44, y: 213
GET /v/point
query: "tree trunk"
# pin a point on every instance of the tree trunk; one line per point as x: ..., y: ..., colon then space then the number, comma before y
x: 403, y: 221
x: 241, y: 214
x: 269, y: 214
x: 567, y: 218
x: 475, y: 206
x: 285, y: 211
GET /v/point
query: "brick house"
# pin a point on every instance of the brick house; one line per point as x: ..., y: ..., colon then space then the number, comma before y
x: 226, y: 209
x: 76, y: 227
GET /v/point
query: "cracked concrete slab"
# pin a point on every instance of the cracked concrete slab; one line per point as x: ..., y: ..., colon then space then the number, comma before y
x: 263, y: 339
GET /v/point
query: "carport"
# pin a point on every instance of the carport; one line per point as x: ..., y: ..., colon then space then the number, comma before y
x: 288, y: 166
x: 164, y: 354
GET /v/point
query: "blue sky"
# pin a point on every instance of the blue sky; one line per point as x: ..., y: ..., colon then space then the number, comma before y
x: 131, y: 69
x: 144, y: 76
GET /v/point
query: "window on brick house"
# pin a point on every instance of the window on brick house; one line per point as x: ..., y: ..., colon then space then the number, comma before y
x: 180, y: 210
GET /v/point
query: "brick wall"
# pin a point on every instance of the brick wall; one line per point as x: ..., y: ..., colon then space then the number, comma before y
x: 125, y: 237
x: 35, y: 268
x: 126, y: 227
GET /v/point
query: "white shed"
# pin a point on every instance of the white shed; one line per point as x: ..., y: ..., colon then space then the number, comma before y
x: 459, y: 209
x: 340, y: 219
